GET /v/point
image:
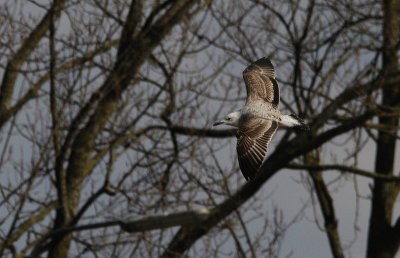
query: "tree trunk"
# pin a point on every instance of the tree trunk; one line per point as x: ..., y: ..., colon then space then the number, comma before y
x: 326, y: 204
x: 383, y: 240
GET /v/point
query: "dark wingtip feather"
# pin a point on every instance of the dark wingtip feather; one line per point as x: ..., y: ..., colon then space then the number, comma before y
x: 264, y: 64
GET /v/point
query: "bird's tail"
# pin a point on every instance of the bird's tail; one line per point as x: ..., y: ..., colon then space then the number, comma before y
x: 294, y: 121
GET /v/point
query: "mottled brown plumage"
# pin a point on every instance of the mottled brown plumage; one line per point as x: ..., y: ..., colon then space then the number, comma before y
x: 253, y: 138
x: 259, y: 78
x: 256, y: 132
x: 259, y: 119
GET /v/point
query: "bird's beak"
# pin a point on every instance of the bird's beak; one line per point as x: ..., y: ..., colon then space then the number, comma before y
x: 218, y: 123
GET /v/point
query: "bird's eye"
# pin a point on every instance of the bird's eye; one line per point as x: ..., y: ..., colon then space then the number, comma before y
x: 228, y: 118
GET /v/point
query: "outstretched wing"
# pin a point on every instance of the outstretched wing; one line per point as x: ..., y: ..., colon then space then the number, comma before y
x: 252, y: 144
x: 259, y: 78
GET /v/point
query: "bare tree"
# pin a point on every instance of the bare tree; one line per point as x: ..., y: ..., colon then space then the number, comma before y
x: 105, y: 114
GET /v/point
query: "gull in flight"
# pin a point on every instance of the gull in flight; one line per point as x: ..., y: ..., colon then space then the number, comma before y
x: 259, y: 119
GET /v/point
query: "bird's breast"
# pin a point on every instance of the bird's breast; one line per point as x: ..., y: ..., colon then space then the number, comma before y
x: 262, y: 109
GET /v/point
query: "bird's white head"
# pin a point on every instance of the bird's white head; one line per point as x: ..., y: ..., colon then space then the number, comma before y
x: 231, y: 119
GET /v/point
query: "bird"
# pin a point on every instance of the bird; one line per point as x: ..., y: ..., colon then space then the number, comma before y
x: 259, y: 119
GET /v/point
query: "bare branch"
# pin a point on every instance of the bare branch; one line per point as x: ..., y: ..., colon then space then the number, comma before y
x: 23, y: 53
x: 132, y: 225
x: 342, y: 168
